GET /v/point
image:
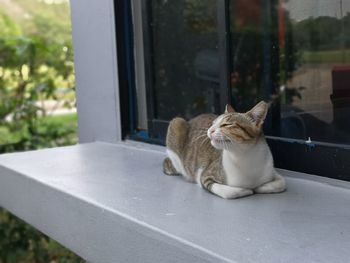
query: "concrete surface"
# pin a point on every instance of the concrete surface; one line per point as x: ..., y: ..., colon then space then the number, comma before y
x: 112, y: 203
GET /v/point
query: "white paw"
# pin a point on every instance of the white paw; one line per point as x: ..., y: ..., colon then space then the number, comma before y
x: 276, y: 186
x: 229, y: 192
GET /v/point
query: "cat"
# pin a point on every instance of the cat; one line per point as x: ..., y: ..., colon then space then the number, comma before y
x: 226, y: 155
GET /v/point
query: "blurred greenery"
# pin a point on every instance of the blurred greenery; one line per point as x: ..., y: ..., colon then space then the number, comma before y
x: 326, y: 56
x: 36, y: 67
x: 20, y: 242
x: 51, y: 131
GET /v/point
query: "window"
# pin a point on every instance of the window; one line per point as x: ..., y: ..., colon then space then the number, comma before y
x: 199, y: 55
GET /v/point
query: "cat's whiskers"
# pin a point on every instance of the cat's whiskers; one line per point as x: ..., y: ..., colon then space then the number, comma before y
x: 225, y: 137
x: 228, y: 138
x: 199, y: 137
x: 203, y: 137
x: 204, y: 142
x: 224, y: 143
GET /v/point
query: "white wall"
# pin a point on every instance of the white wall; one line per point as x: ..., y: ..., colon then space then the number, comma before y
x: 96, y: 68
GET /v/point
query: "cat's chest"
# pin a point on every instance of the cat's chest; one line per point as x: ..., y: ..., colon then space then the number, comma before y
x: 247, y: 173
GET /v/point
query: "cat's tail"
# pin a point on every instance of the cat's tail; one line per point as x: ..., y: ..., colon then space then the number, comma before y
x: 177, y: 135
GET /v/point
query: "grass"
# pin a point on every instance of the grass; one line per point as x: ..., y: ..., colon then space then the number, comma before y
x: 327, y: 56
x: 53, y: 130
x: 62, y: 127
x: 69, y: 119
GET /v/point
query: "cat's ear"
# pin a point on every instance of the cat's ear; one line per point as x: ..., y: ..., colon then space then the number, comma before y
x: 258, y: 113
x: 229, y: 109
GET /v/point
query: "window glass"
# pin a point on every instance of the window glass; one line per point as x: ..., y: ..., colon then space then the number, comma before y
x: 292, y: 53
x: 295, y: 54
x: 199, y: 55
x: 316, y: 88
x: 185, y: 58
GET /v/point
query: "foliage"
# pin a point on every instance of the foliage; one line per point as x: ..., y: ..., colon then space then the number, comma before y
x: 7, y: 27
x: 51, y: 131
x: 323, y: 33
x: 22, y: 243
x: 32, y: 69
x: 199, y: 15
x: 36, y: 65
x: 327, y: 56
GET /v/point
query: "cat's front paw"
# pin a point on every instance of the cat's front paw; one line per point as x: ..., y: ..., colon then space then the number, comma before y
x: 229, y: 192
x: 278, y: 185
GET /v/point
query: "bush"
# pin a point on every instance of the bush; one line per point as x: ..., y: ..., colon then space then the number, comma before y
x: 22, y: 243
x: 31, y: 72
x: 34, y: 68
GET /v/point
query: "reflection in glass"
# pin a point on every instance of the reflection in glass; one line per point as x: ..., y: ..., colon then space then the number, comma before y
x: 296, y: 54
x: 185, y: 58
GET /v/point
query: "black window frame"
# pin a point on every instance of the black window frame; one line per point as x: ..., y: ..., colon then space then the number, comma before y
x: 318, y: 158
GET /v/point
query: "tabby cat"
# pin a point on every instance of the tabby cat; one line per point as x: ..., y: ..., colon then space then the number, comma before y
x: 227, y: 154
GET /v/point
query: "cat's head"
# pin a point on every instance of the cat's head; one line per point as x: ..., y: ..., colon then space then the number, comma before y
x: 238, y: 128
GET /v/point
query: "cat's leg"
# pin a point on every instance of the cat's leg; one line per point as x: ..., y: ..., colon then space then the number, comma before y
x: 278, y: 185
x: 168, y: 167
x: 222, y: 190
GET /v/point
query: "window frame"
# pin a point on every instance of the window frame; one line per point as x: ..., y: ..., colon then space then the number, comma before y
x: 96, y: 70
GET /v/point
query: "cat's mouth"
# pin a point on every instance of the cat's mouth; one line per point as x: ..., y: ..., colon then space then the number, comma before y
x: 220, y: 143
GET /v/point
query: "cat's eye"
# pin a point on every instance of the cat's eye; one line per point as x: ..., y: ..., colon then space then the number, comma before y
x: 225, y: 125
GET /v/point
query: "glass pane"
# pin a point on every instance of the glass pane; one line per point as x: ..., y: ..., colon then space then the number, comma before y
x: 317, y: 91
x: 185, y: 58
x: 295, y: 54
x: 248, y: 39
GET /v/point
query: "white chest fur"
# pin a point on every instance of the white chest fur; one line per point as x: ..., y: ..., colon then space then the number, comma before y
x: 248, y: 166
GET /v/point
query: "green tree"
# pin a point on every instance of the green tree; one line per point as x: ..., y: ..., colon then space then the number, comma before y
x: 36, y: 64
x: 32, y: 68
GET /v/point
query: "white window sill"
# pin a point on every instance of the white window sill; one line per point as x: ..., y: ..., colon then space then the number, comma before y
x: 112, y: 203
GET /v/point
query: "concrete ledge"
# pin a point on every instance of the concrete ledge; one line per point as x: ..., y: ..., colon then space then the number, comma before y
x: 111, y: 203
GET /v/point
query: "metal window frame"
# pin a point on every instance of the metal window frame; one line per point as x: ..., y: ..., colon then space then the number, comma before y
x: 223, y: 15
x: 156, y: 127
